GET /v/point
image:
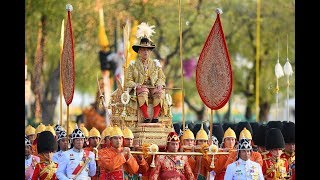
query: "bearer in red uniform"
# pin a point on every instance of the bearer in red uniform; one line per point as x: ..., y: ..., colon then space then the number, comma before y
x: 117, y: 159
x: 274, y: 167
x: 288, y: 132
x: 172, y: 167
x: 46, y: 168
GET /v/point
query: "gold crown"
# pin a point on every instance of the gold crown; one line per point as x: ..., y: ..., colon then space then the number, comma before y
x: 84, y: 130
x: 187, y: 134
x: 50, y: 128
x: 116, y: 131
x: 94, y: 133
x: 30, y: 130
x: 127, y: 133
x: 202, y: 134
x: 173, y: 137
x: 106, y: 132
x: 245, y: 134
x: 41, y: 127
x: 229, y: 133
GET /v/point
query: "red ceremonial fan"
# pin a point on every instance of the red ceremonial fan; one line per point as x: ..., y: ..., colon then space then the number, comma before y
x: 67, y: 61
x: 213, y: 72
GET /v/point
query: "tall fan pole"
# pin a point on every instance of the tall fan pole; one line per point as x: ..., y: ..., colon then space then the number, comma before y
x: 288, y: 84
x: 257, y: 60
x: 279, y: 73
x: 180, y: 33
x: 211, y: 124
x: 288, y: 72
x: 277, y: 90
x: 60, y: 89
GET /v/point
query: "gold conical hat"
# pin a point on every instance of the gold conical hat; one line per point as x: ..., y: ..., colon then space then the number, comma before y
x: 41, y: 127
x: 188, y: 134
x: 116, y: 131
x: 94, y: 133
x: 51, y: 129
x: 84, y: 130
x: 245, y: 134
x: 30, y: 130
x: 127, y: 133
x: 229, y: 133
x: 202, y: 134
x: 106, y: 132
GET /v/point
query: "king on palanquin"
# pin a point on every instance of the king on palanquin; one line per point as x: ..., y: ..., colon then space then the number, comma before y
x: 146, y: 75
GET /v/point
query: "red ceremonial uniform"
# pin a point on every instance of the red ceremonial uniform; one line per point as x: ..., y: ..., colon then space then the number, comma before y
x: 274, y: 169
x: 291, y: 161
x: 45, y: 170
x: 172, y: 168
x: 114, y: 164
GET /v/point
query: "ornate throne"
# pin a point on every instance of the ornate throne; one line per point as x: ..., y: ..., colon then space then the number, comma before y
x: 125, y: 112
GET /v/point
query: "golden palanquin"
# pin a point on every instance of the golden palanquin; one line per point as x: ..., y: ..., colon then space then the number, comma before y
x: 130, y: 115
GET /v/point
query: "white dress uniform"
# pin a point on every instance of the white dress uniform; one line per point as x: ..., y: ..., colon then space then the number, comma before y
x: 244, y: 170
x: 68, y: 162
x: 56, y: 156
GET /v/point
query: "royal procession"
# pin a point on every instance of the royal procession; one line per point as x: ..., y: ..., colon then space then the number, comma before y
x: 180, y: 90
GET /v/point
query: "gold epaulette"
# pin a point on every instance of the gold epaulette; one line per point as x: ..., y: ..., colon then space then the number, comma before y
x: 266, y: 158
x: 264, y: 155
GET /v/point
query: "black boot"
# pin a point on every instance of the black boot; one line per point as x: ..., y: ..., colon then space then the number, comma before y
x: 155, y: 120
x: 146, y: 120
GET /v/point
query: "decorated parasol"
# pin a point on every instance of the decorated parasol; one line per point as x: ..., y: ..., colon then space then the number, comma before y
x: 213, y: 72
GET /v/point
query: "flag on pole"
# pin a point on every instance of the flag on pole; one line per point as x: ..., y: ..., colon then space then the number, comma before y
x: 133, y: 40
x: 103, y: 38
x: 213, y: 72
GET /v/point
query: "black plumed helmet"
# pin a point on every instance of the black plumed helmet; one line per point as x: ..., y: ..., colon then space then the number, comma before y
x: 255, y: 127
x: 177, y: 128
x: 274, y: 124
x: 241, y: 125
x: 46, y: 142
x: 261, y: 135
x: 274, y: 139
x: 217, y: 131
x: 226, y: 125
x: 288, y: 132
x: 190, y: 126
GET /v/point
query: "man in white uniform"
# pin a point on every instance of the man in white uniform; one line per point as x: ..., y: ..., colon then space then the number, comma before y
x: 63, y: 144
x: 244, y: 168
x: 72, y: 161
